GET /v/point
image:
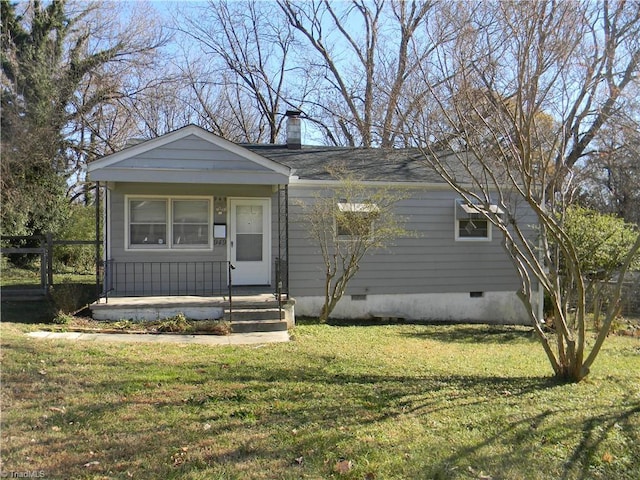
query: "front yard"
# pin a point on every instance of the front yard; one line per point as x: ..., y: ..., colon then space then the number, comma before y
x: 354, y: 402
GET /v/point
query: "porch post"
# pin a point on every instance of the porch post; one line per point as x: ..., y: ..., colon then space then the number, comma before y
x: 98, y: 235
x: 282, y: 267
x: 286, y: 235
x: 279, y: 260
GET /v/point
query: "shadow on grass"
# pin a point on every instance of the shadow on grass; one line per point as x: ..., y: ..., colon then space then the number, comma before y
x: 443, y: 332
x: 338, y: 322
x: 477, y: 333
x: 555, y: 426
x: 247, y: 401
x: 69, y: 297
x: 598, y: 428
x: 134, y: 409
x: 31, y: 311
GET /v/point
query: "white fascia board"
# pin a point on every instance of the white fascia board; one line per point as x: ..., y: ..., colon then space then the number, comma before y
x: 219, y: 177
x: 182, y: 133
x: 297, y: 182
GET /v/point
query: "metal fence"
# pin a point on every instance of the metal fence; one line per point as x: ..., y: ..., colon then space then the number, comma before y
x: 41, y: 248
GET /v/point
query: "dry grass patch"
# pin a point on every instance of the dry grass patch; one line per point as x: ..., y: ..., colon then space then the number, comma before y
x: 176, y: 324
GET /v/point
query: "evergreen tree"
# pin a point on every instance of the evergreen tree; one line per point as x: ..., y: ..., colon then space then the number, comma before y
x: 61, y: 63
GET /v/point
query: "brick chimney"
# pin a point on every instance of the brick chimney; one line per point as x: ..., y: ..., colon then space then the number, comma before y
x: 294, y: 132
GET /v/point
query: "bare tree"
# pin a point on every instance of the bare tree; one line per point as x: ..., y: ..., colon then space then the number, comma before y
x: 346, y: 222
x: 365, y: 53
x: 246, y: 51
x: 528, y: 87
x: 610, y: 179
x: 350, y: 67
x: 219, y: 106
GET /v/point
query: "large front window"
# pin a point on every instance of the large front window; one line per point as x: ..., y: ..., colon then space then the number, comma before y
x: 167, y: 222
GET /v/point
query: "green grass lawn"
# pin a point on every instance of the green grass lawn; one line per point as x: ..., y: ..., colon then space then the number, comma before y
x: 390, y: 402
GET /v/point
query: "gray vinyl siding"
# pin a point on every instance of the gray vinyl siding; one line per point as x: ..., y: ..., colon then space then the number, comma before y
x: 189, y: 160
x: 431, y: 261
x: 161, y: 277
x: 191, y: 152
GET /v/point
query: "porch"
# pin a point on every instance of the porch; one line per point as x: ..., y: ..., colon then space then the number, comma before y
x: 189, y: 218
x: 204, y: 290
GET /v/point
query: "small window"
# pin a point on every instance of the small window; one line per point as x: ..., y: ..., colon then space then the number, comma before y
x: 355, y: 219
x: 471, y: 223
x: 473, y: 228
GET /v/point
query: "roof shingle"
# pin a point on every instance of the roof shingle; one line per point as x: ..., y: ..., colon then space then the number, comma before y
x: 367, y: 164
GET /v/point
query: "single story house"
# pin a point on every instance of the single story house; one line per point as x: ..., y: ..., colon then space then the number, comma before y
x: 188, y: 211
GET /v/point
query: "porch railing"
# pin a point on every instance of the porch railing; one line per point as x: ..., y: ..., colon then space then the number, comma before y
x: 133, y: 279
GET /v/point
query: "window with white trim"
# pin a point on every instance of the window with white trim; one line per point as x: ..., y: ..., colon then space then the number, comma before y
x: 471, y: 224
x: 169, y: 222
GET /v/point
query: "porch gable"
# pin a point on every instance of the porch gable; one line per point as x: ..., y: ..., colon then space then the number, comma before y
x: 189, y: 155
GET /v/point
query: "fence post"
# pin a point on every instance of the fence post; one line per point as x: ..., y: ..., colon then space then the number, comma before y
x: 49, y: 254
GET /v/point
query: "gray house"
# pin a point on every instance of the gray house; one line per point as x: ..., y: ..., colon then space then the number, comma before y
x: 192, y: 215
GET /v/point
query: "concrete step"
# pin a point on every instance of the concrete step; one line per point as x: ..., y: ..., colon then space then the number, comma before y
x: 253, y: 314
x: 240, y: 303
x: 244, y: 320
x: 249, y: 326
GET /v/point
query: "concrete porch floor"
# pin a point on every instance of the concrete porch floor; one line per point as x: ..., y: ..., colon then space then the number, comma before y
x: 249, y: 312
x: 183, y: 300
x: 158, y: 307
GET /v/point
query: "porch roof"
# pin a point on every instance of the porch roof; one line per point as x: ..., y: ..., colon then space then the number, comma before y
x: 189, y: 155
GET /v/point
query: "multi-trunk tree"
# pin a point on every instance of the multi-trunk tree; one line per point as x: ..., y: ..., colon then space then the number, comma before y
x: 526, y: 89
x: 238, y: 72
x: 352, y: 68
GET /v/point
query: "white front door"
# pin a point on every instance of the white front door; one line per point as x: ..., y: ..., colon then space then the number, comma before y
x: 250, y: 240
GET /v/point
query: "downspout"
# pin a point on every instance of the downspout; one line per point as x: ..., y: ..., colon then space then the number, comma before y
x: 286, y: 237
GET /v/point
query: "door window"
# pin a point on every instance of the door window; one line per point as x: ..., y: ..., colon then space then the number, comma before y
x: 249, y: 233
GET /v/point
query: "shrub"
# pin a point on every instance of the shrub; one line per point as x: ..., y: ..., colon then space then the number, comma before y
x: 177, y: 323
x: 62, y: 318
x: 69, y: 296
